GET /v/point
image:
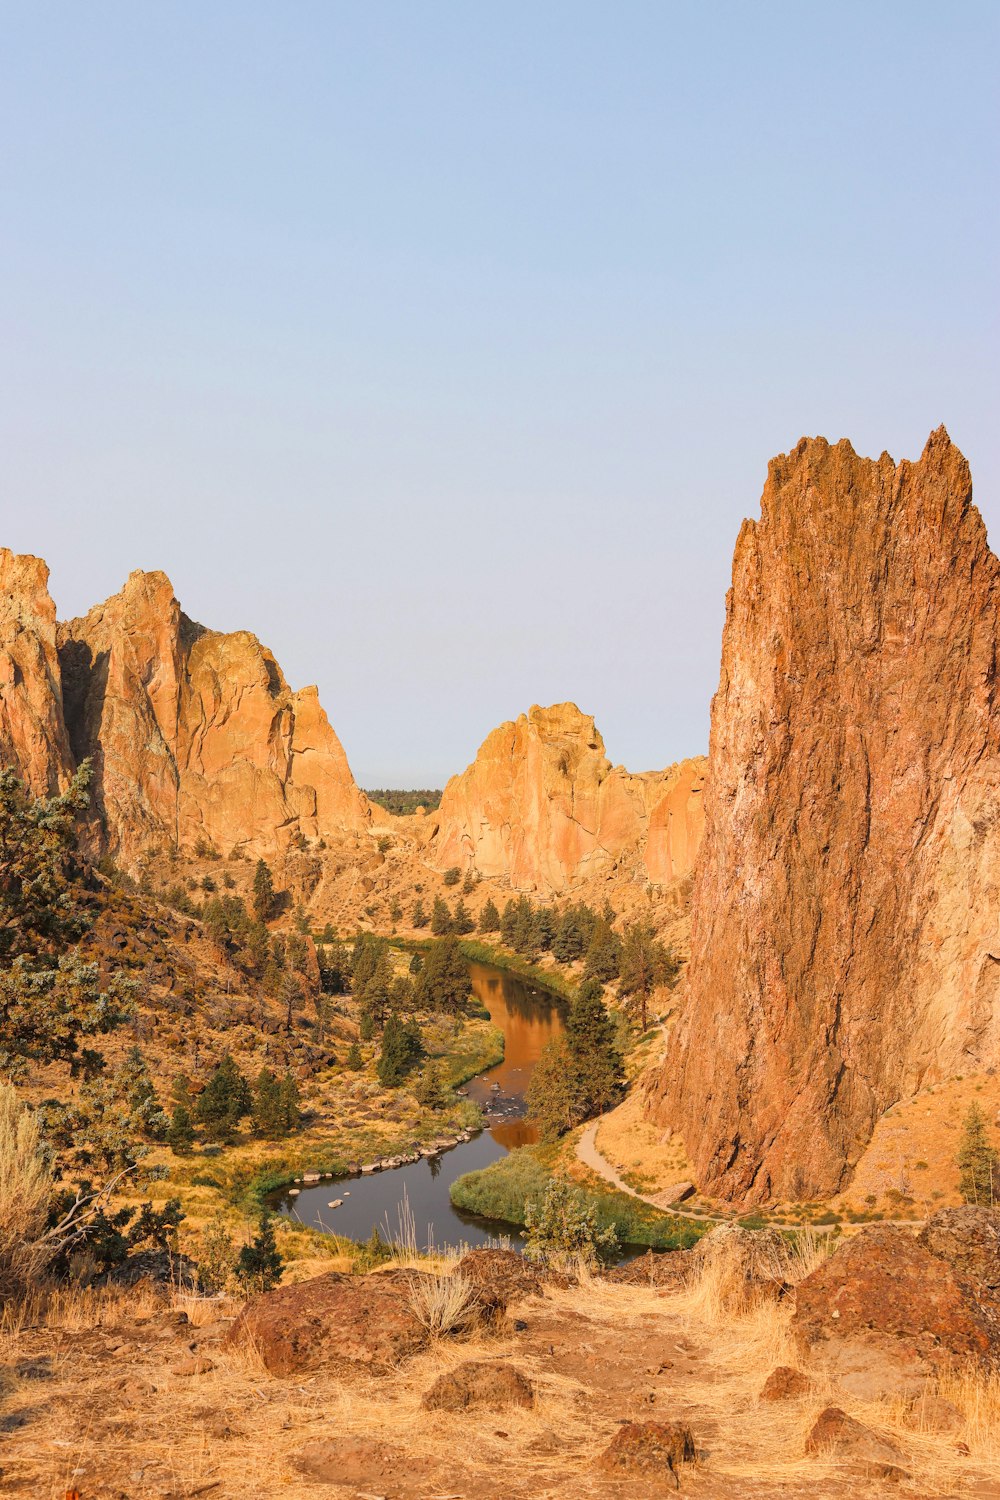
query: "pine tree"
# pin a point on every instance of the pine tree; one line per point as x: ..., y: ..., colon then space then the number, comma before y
x: 420, y: 917
x: 462, y: 923
x: 289, y: 1106
x: 603, y: 954
x: 260, y: 1265
x: 224, y: 1101
x: 180, y: 1135
x: 441, y: 922
x: 643, y: 964
x: 489, y: 917
x: 977, y: 1160
x: 598, y: 1069
x: 394, y: 1056
x: 266, y: 1112
x: 553, y: 1095
x: 432, y: 1092
x: 443, y: 983
x: 354, y: 1061
x: 263, y: 891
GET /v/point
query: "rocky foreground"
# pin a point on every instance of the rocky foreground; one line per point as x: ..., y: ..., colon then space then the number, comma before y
x: 734, y: 1369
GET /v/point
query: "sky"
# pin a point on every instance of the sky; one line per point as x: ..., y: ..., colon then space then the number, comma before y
x: 444, y: 345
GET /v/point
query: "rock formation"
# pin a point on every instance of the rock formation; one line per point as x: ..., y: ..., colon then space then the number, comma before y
x: 33, y: 739
x: 195, y: 735
x: 542, y: 806
x: 846, y: 912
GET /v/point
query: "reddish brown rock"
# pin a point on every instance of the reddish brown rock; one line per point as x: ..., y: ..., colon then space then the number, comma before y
x: 479, y: 1385
x: 785, y: 1384
x: 195, y: 735
x: 358, y: 1462
x: 33, y: 739
x: 542, y: 806
x: 656, y: 1450
x: 883, y: 1313
x: 845, y: 906
x: 668, y: 1270
x: 503, y: 1274
x: 334, y: 1321
x: 840, y: 1436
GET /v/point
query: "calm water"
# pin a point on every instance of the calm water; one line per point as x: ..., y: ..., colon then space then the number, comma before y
x: 528, y: 1019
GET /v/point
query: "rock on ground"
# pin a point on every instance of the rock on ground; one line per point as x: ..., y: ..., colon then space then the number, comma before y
x: 479, y: 1384
x: 656, y: 1449
x: 367, y: 1322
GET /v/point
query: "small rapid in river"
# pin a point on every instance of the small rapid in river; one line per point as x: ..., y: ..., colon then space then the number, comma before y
x: 528, y: 1018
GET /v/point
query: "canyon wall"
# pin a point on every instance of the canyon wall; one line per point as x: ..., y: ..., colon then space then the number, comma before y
x: 846, y: 908
x: 542, y: 806
x: 195, y: 734
x: 33, y: 740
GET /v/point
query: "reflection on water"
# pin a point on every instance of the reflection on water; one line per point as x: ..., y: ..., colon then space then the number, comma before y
x: 528, y: 1019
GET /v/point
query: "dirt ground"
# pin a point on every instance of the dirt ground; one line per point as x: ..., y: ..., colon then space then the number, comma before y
x: 133, y: 1397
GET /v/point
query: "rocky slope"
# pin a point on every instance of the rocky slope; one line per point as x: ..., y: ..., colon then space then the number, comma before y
x: 195, y: 734
x: 846, y: 915
x: 33, y: 739
x: 542, y: 807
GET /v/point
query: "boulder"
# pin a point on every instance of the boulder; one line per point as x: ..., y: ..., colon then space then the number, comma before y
x: 882, y: 1313
x: 785, y: 1384
x: 479, y: 1384
x: 840, y: 1436
x: 503, y: 1273
x: 968, y: 1240
x: 746, y: 1266
x: 668, y: 1270
x: 334, y: 1321
x: 655, y: 1450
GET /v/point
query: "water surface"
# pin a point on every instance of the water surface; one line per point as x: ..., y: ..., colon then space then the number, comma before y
x: 528, y: 1018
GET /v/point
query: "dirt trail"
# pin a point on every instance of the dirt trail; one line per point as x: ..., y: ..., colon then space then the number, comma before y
x: 587, y: 1152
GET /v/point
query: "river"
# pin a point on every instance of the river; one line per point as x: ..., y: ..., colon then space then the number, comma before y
x: 528, y: 1018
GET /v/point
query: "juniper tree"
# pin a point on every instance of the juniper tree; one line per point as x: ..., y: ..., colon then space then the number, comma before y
x: 260, y: 1265
x: 977, y: 1160
x: 263, y: 891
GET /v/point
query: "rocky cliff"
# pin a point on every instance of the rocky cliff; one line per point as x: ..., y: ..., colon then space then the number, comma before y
x: 846, y: 910
x: 33, y: 739
x: 542, y: 806
x: 195, y: 734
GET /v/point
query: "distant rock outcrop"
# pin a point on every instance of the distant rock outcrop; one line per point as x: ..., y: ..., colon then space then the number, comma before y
x: 33, y: 739
x: 542, y: 806
x: 846, y: 911
x: 195, y: 734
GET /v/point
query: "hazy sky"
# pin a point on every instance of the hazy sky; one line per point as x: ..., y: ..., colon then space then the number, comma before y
x: 444, y: 345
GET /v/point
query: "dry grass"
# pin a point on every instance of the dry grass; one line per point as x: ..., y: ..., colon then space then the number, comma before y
x: 444, y: 1304
x: 25, y: 1194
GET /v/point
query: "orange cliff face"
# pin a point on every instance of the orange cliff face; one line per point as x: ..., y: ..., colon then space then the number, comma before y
x: 195, y: 734
x: 542, y: 807
x: 33, y: 739
x: 845, y: 912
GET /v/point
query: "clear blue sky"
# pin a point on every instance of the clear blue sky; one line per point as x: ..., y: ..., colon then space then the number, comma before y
x: 444, y: 345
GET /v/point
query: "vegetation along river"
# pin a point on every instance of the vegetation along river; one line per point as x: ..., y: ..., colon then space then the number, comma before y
x: 528, y: 1018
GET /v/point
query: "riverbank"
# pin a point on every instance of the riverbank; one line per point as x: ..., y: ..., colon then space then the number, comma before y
x: 502, y: 1190
x: 556, y: 981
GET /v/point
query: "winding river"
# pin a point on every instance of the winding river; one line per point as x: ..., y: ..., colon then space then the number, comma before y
x: 528, y: 1018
